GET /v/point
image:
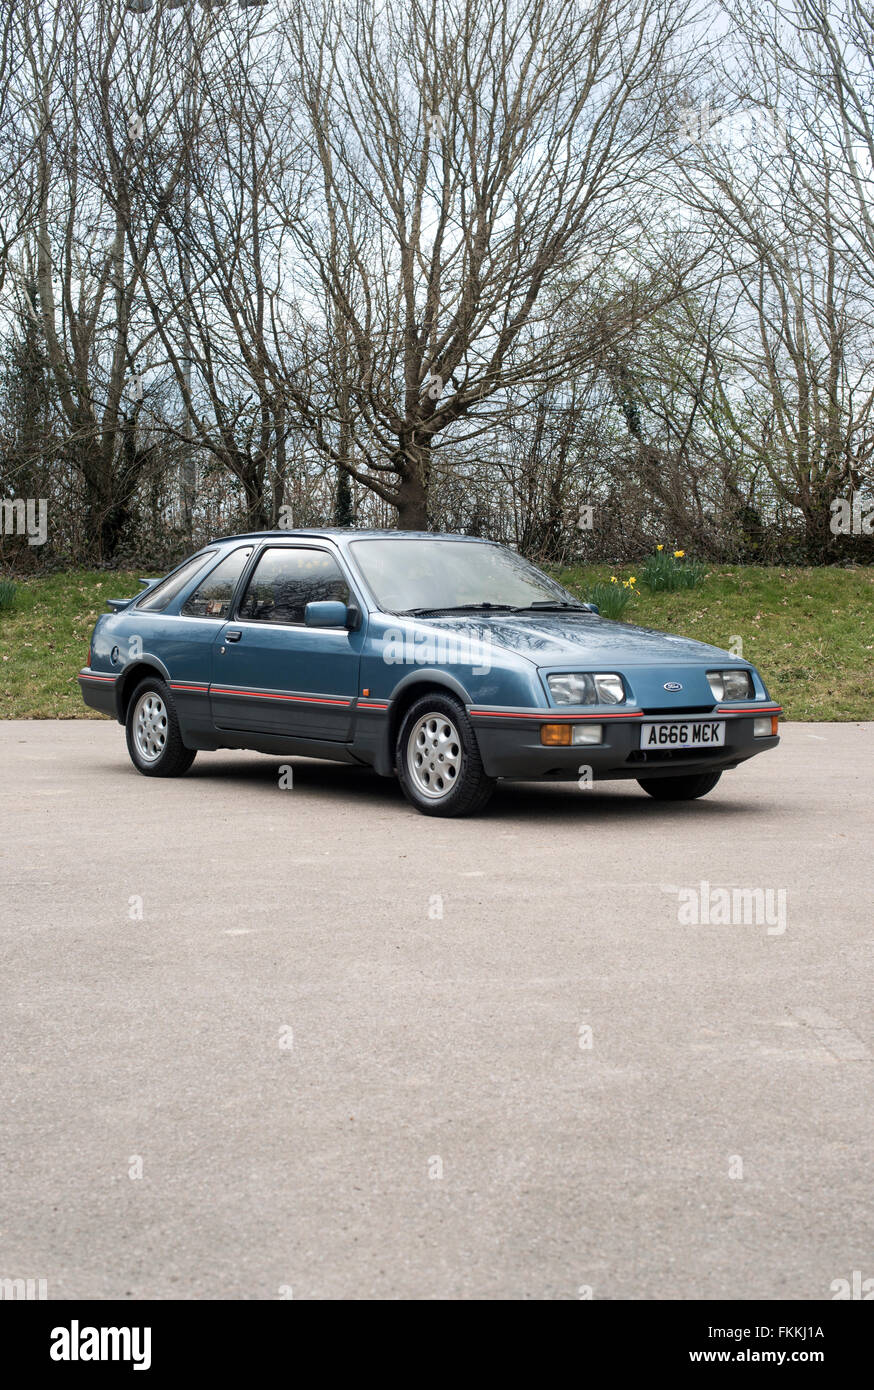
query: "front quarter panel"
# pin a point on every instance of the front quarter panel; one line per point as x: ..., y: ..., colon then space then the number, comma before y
x: 400, y: 652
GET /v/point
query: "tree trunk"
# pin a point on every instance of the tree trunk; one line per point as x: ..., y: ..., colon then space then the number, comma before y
x: 413, y: 489
x: 412, y: 505
x: 819, y: 543
x: 344, y: 513
x: 252, y: 478
x: 108, y: 517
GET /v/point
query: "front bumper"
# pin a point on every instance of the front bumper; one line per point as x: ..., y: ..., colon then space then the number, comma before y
x: 509, y: 744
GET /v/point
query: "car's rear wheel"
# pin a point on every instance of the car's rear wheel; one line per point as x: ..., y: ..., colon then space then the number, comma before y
x: 438, y: 761
x: 680, y: 788
x: 153, y: 737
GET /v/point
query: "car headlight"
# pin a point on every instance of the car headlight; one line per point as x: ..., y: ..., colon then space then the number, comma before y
x: 580, y: 688
x: 731, y: 685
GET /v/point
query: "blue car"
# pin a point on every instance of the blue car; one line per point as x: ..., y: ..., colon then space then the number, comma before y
x: 446, y: 660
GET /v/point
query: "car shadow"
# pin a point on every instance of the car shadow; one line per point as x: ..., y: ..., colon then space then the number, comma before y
x: 511, y: 800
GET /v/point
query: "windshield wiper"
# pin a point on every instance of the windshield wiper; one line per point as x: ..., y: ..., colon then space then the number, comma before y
x: 458, y: 608
x: 555, y: 605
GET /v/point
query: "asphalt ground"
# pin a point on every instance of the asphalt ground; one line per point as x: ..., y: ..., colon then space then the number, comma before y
x: 263, y: 1042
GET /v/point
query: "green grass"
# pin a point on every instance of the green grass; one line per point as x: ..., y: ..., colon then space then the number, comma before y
x: 810, y: 631
x: 44, y: 641
x: 667, y: 570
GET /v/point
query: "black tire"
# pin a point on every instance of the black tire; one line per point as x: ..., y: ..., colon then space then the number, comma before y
x: 171, y: 758
x: 454, y: 784
x: 680, y: 788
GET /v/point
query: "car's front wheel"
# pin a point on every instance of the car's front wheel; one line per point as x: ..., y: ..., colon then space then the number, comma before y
x: 153, y: 737
x: 438, y: 761
x: 680, y: 788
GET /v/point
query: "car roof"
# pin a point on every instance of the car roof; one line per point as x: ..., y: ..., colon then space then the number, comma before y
x: 347, y: 533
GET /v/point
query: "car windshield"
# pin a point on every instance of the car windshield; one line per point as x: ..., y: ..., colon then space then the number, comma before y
x: 418, y: 575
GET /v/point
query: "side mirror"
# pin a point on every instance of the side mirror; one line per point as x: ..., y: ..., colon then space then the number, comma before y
x: 329, y: 613
x: 593, y: 608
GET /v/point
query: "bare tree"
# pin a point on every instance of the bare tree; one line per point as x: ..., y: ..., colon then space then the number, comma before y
x: 16, y: 201
x: 792, y: 368
x: 220, y: 296
x: 93, y: 235
x: 466, y: 156
x: 418, y: 263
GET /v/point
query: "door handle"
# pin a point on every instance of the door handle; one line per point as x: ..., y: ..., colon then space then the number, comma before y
x: 233, y: 636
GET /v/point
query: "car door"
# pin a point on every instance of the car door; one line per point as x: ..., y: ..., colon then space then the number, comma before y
x: 273, y: 674
x: 188, y: 641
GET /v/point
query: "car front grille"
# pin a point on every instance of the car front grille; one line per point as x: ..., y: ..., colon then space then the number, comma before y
x: 680, y: 713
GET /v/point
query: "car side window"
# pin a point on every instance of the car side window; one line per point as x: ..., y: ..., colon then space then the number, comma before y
x: 286, y: 579
x: 212, y: 598
x: 165, y: 592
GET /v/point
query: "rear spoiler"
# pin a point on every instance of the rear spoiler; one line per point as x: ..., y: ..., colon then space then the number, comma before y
x: 118, y: 604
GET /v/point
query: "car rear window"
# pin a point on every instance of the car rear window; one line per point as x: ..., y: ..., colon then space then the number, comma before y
x: 157, y: 599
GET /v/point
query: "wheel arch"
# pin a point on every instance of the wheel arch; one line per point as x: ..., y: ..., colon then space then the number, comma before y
x: 408, y: 690
x: 130, y: 679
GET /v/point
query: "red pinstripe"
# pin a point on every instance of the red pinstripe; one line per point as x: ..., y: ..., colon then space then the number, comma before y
x: 267, y: 695
x: 551, y: 716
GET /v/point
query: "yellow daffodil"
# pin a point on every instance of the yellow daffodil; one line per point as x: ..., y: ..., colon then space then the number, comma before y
x: 632, y: 579
x: 679, y: 554
x: 660, y: 547
x: 613, y: 579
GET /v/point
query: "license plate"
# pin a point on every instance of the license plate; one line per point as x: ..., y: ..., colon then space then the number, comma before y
x: 688, y: 734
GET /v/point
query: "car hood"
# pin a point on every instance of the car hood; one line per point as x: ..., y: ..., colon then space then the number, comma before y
x: 551, y: 639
